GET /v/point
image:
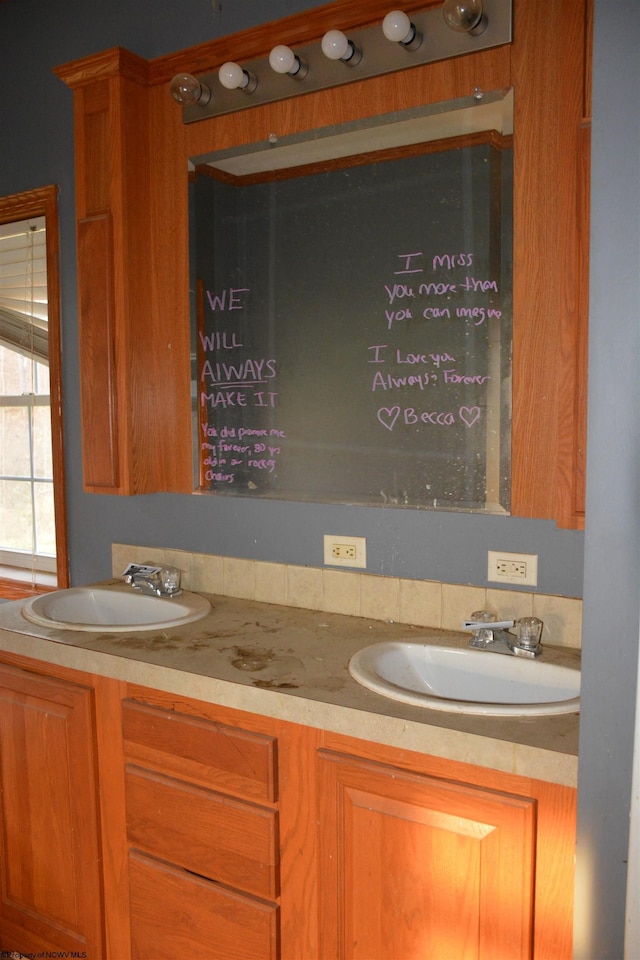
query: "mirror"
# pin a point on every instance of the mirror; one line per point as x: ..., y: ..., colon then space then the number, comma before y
x: 351, y: 312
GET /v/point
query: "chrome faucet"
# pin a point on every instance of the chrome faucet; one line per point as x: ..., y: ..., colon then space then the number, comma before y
x: 154, y: 581
x: 488, y: 633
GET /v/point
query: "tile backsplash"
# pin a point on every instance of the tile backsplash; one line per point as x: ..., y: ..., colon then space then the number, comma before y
x: 427, y: 603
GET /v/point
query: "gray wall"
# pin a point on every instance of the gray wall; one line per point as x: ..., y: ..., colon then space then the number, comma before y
x: 36, y: 140
x: 612, y: 548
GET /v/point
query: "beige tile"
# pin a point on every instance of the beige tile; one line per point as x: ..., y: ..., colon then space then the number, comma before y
x: 121, y: 555
x: 510, y: 604
x: 459, y: 602
x: 238, y: 577
x: 304, y: 587
x: 562, y: 618
x: 379, y: 597
x: 271, y: 582
x: 207, y: 573
x: 420, y: 602
x: 151, y: 555
x: 341, y: 592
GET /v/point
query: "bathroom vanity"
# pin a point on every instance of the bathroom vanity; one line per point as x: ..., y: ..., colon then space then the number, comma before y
x: 225, y: 789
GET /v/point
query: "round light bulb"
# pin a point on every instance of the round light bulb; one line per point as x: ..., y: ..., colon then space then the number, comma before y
x: 463, y: 16
x: 187, y: 90
x: 397, y: 27
x: 232, y: 76
x: 282, y: 59
x: 336, y: 46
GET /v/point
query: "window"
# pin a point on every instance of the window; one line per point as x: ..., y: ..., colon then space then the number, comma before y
x: 27, y: 517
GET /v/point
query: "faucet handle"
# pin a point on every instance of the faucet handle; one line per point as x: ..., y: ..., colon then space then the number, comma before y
x: 170, y: 579
x: 529, y: 633
x: 482, y: 624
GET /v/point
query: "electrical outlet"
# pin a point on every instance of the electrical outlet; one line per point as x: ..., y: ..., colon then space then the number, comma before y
x: 515, y: 568
x: 345, y: 551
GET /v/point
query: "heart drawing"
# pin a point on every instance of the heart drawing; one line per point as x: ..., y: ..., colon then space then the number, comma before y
x: 469, y: 415
x: 388, y: 416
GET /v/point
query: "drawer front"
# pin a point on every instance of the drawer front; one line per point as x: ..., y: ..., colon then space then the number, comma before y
x: 220, y: 756
x: 174, y: 914
x: 210, y: 834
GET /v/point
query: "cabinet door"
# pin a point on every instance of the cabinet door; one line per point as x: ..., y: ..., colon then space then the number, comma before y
x: 134, y: 397
x: 417, y: 868
x: 49, y: 848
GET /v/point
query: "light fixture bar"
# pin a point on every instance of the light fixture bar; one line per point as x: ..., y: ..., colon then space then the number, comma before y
x: 379, y: 56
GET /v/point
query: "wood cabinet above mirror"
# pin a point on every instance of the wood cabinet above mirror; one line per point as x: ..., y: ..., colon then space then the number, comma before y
x: 132, y: 150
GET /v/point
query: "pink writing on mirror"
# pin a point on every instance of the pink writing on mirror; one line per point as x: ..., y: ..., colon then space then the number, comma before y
x: 229, y: 299
x: 441, y: 261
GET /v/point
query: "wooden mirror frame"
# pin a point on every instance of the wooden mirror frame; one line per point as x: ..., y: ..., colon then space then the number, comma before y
x: 132, y: 150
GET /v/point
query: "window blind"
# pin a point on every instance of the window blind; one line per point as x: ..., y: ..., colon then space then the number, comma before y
x: 23, y: 288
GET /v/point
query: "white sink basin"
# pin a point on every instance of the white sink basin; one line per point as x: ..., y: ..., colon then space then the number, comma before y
x: 112, y: 608
x: 462, y: 680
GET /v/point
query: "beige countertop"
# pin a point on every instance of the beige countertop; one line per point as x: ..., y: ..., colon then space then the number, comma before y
x: 292, y: 664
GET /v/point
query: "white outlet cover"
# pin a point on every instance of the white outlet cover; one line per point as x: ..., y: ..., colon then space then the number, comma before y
x: 360, y: 544
x: 531, y: 560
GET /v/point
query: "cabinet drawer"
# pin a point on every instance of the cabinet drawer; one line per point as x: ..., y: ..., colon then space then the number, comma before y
x: 205, y: 832
x: 174, y: 914
x: 224, y: 757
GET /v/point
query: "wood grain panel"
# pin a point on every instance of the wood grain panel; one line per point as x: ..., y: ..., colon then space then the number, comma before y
x: 113, y: 822
x: 19, y: 589
x: 548, y: 76
x: 176, y: 914
x: 213, y: 754
x: 577, y: 507
x: 420, y: 868
x: 50, y: 854
x: 207, y: 833
x: 98, y: 383
x: 555, y: 871
x: 555, y: 830
x: 93, y: 187
x: 150, y: 354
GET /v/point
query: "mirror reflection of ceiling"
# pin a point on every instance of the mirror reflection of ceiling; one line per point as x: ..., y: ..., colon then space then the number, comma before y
x: 470, y: 115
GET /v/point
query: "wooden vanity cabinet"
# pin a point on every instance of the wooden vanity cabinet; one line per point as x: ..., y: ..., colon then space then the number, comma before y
x: 50, y: 853
x: 137, y: 824
x: 202, y: 832
x: 382, y: 853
